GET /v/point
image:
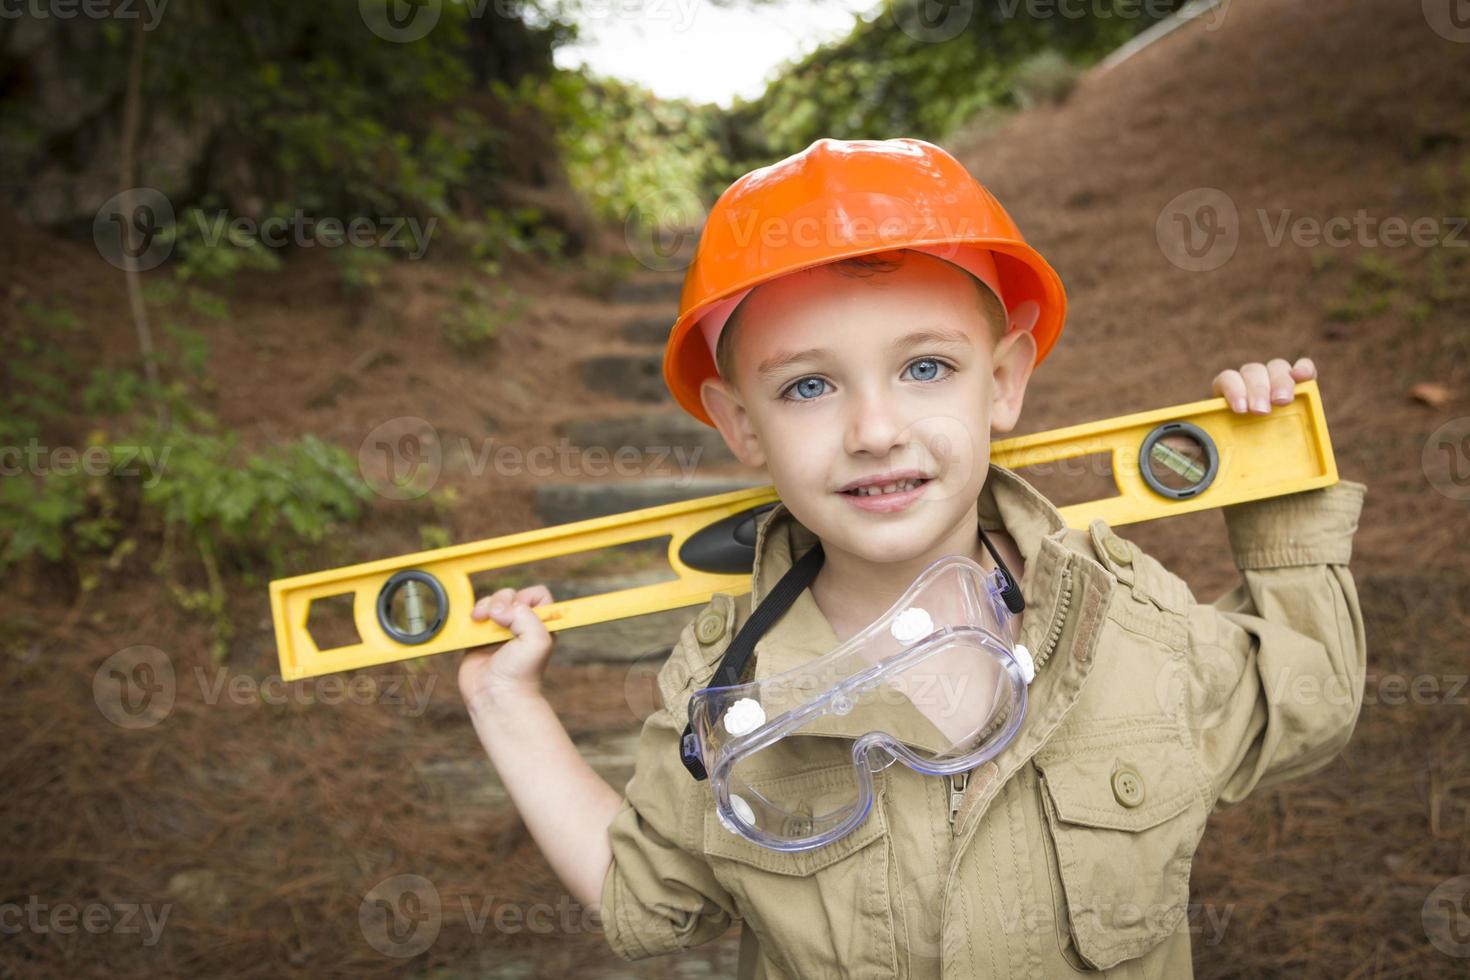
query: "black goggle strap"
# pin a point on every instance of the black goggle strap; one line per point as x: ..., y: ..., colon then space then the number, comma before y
x: 1011, y: 594
x: 798, y: 577
x: 732, y: 666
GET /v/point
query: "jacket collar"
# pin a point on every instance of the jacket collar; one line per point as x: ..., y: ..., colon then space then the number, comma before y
x: 1005, y: 502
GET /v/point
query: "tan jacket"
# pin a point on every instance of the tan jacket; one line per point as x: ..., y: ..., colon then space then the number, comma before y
x: 1070, y: 850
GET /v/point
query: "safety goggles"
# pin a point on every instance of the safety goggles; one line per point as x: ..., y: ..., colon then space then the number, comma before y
x: 937, y: 682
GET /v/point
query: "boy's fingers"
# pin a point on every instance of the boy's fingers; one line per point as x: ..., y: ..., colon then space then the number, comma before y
x: 1304, y: 369
x: 1230, y: 386
x: 496, y: 604
x: 535, y: 595
x: 527, y: 626
x: 1283, y: 385
x: 1257, y: 386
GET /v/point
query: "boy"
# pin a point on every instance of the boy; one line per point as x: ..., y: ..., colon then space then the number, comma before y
x: 865, y: 313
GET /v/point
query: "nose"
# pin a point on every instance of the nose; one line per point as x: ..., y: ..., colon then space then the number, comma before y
x: 875, y: 425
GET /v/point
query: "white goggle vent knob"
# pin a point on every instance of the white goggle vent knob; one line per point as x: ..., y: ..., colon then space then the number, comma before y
x: 912, y: 625
x: 745, y: 715
x: 1027, y: 664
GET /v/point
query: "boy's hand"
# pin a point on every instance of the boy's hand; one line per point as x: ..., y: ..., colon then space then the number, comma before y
x: 1258, y: 385
x: 513, y: 668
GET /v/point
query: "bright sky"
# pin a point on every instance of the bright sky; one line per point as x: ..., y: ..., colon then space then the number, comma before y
x: 694, y: 50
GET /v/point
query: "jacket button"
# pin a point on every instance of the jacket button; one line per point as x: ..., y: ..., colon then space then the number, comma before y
x: 1117, y: 549
x: 1128, y: 787
x: 709, y: 627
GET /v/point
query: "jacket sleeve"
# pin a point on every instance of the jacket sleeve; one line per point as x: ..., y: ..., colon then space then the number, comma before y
x: 659, y: 894
x: 1277, y: 664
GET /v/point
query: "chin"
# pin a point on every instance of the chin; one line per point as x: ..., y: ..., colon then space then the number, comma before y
x: 883, y: 538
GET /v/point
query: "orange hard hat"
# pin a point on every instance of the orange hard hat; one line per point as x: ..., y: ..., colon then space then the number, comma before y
x: 843, y: 198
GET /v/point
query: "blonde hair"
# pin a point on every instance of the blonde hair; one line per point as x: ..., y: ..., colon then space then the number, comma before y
x: 864, y: 267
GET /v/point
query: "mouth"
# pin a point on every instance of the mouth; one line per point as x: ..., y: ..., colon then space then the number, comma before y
x: 884, y: 489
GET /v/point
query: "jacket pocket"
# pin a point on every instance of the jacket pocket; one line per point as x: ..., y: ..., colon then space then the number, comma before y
x: 824, y: 912
x: 1124, y: 813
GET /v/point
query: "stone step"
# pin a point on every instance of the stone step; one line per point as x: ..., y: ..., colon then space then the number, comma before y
x: 563, y: 503
x: 683, y: 441
x: 661, y: 289
x: 635, y: 377
x: 471, y: 785
x: 649, y: 331
x: 620, y: 640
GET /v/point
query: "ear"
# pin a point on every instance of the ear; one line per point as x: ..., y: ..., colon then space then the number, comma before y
x: 1015, y: 357
x: 725, y: 409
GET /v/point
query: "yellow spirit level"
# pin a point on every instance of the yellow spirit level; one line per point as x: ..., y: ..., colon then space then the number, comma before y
x: 1168, y: 461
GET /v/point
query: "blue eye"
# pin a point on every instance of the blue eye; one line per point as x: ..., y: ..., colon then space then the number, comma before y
x: 926, y: 363
x: 805, y: 387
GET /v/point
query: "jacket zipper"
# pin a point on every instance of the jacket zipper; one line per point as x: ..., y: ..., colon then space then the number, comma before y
x: 1058, y: 620
x: 957, y: 783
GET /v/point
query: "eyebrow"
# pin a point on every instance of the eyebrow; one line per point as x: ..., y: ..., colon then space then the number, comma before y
x: 779, y: 362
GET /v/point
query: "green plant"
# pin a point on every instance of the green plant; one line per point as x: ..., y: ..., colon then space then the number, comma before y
x: 480, y: 313
x: 1044, y: 78
x: 51, y: 318
x: 212, y: 247
x: 598, y: 275
x: 522, y: 231
x: 361, y: 267
x: 242, y: 508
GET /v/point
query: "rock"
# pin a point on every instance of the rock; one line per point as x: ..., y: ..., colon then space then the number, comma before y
x: 636, y: 377
x: 682, y: 441
x: 200, y: 890
x: 472, y: 784
x: 653, y: 331
x: 562, y: 503
x: 661, y: 290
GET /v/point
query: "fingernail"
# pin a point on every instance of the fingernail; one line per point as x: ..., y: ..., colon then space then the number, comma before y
x: 1281, y: 395
x: 1260, y: 405
x: 1238, y: 403
x: 498, y: 609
